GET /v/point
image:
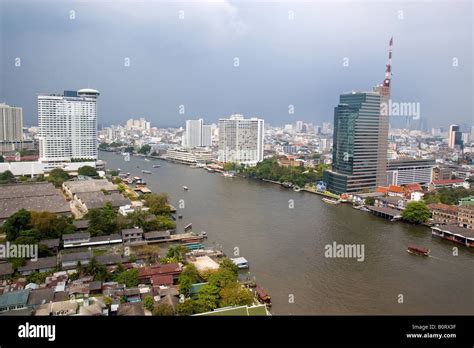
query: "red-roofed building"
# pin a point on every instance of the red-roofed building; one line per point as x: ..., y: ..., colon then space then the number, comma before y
x: 146, y: 273
x: 158, y: 280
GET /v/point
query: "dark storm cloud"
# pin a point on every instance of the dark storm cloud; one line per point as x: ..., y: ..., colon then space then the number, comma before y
x: 282, y: 61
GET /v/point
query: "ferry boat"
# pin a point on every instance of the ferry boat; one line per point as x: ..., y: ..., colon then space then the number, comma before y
x: 416, y: 250
x: 156, y: 166
x: 185, y: 188
x: 146, y: 171
x: 331, y: 201
x: 263, y: 296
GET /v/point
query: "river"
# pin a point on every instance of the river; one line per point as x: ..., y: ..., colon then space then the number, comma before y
x: 283, y: 235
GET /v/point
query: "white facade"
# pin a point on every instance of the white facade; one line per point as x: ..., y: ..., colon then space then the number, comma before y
x: 241, y: 140
x: 194, y: 133
x: 68, y: 126
x: 206, y: 135
x: 11, y: 123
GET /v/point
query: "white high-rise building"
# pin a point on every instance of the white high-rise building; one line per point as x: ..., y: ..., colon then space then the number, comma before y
x: 11, y: 123
x: 197, y: 134
x: 68, y: 126
x: 206, y: 136
x: 194, y: 133
x: 241, y: 140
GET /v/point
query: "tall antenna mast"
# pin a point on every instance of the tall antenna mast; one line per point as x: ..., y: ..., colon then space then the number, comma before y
x: 388, y: 70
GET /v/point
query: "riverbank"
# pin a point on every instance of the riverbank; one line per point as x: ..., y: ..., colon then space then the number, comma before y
x: 286, y: 246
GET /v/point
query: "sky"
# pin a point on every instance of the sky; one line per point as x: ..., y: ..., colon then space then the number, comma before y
x: 210, y: 59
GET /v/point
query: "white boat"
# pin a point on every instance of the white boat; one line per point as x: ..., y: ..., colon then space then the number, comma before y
x: 185, y: 188
x: 228, y: 175
x: 147, y: 160
x: 331, y: 201
x: 146, y: 171
x: 296, y: 188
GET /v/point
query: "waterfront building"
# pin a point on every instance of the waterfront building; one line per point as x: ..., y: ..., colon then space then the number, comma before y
x: 359, y: 155
x: 241, y: 140
x: 410, y: 171
x: 444, y: 213
x: 68, y: 126
x: 189, y: 155
x: 466, y: 214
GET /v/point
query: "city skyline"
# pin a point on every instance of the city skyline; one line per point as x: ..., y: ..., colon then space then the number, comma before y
x: 212, y: 78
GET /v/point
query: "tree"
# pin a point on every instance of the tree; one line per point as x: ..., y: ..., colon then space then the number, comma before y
x: 208, y: 298
x: 229, y: 265
x: 6, y: 177
x: 145, y: 149
x: 222, y: 277
x: 187, y: 278
x: 149, y: 303
x: 177, y: 253
x: 17, y: 222
x: 102, y: 221
x: 87, y: 171
x: 158, y: 203
x: 95, y: 269
x: 186, y: 308
x: 50, y: 225
x: 2, y: 159
x: 370, y: 201
x: 235, y: 295
x: 128, y: 277
x: 416, y: 212
x: 163, y: 309
x: 162, y: 223
x: 57, y: 177
x: 37, y: 277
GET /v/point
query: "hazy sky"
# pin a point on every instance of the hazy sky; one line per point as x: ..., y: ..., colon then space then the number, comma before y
x: 289, y: 53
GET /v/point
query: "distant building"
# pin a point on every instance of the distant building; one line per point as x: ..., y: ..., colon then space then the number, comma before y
x: 454, y: 137
x: 241, y: 140
x: 359, y: 153
x: 410, y: 171
x: 197, y: 134
x: 140, y: 124
x: 11, y: 123
x: 68, y: 126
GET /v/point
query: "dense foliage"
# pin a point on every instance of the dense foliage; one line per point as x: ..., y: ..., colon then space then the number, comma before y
x: 416, y: 212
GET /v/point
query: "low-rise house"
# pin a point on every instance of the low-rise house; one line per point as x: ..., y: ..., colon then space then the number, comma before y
x: 131, y: 309
x: 132, y: 295
x: 146, y: 273
x: 51, y: 244
x: 71, y: 261
x: 158, y: 280
x: 132, y: 235
x: 72, y: 188
x: 43, y: 264
x: 393, y: 202
x: 110, y: 259
x: 95, y: 287
x: 14, y: 300
x: 157, y: 236
x: 450, y: 183
x: 75, y: 239
x: 6, y: 270
x: 443, y: 213
x: 40, y: 296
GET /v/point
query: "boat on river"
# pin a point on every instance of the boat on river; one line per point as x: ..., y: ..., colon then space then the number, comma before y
x: 263, y: 296
x: 146, y: 172
x: 185, y: 188
x: 331, y: 201
x: 416, y: 250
